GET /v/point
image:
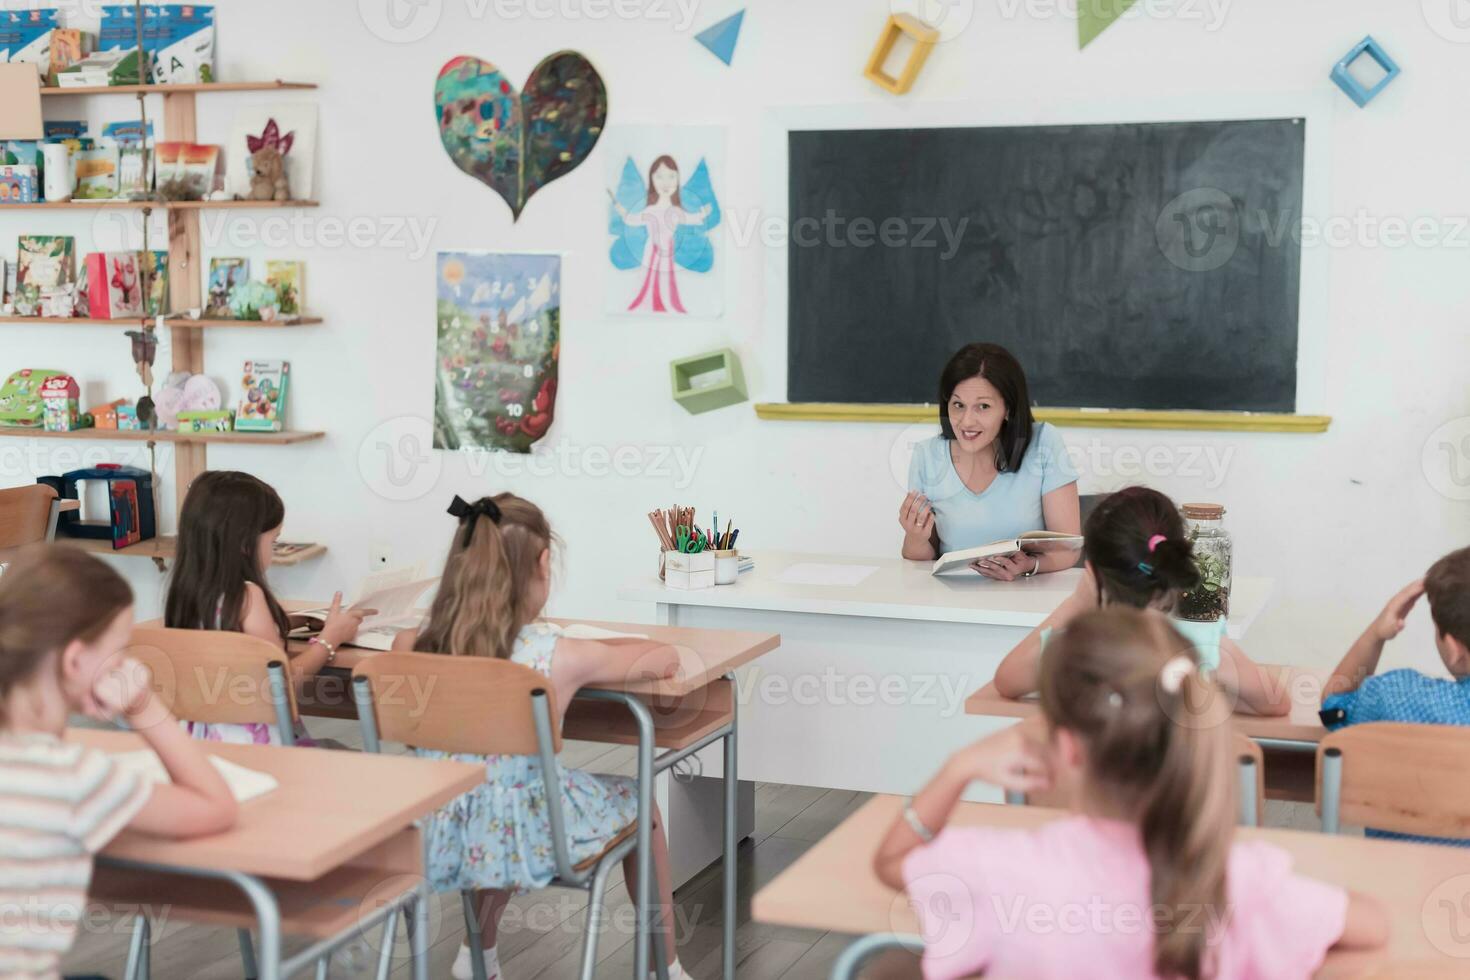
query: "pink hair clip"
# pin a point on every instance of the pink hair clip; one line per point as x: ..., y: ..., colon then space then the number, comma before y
x: 1154, y: 542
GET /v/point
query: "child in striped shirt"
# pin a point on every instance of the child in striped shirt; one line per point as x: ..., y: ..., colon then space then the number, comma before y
x: 65, y: 617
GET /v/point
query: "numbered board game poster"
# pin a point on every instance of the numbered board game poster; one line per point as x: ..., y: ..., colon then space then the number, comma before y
x: 499, y: 324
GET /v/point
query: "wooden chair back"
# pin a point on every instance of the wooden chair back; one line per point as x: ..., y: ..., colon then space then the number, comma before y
x: 475, y: 705
x: 1409, y: 779
x: 25, y: 515
x: 213, y: 676
x: 1242, y: 749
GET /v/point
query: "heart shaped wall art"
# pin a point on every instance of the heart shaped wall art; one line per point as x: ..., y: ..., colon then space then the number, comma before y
x: 518, y: 142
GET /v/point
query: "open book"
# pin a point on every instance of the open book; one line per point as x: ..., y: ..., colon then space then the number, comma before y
x: 245, y: 784
x: 394, y: 595
x: 1032, y: 542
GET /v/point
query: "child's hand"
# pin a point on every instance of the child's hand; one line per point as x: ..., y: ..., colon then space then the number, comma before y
x: 123, y: 688
x: 1007, y: 759
x: 342, y: 624
x: 1390, y: 622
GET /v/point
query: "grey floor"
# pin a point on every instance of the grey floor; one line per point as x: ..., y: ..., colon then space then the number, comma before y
x: 541, y: 933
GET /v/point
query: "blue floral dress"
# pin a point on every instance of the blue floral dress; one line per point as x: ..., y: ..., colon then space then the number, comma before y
x: 498, y: 835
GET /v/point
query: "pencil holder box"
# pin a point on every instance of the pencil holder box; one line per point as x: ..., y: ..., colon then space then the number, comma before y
x: 683, y: 571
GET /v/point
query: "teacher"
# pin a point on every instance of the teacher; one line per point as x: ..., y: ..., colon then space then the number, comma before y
x: 993, y: 473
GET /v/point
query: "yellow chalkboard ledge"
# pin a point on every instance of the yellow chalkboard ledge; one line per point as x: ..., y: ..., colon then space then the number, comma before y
x: 1111, y: 418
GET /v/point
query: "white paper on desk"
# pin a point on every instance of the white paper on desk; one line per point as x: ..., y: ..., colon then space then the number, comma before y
x: 813, y: 573
x: 582, y: 631
x: 245, y: 784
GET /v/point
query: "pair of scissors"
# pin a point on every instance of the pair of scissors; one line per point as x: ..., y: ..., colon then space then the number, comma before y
x: 683, y: 539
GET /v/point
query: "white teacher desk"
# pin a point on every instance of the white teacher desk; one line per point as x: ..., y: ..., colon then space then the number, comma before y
x: 867, y: 689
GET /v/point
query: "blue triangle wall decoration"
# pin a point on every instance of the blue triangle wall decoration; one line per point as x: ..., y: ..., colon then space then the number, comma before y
x: 721, y: 38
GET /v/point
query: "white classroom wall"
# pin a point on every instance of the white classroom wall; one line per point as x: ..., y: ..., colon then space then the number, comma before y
x: 1340, y: 520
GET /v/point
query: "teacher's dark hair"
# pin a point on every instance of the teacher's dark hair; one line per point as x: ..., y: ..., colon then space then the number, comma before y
x: 998, y: 366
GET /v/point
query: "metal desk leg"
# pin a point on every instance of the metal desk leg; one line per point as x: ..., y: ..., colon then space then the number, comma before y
x: 732, y: 795
x: 137, y: 968
x: 645, y: 837
x: 418, y: 937
x: 268, y: 916
x: 247, y: 953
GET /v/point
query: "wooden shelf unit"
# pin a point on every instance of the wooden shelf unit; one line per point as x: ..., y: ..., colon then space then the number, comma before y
x: 173, y: 321
x: 287, y: 438
x: 195, y: 88
x: 186, y: 287
x: 123, y: 204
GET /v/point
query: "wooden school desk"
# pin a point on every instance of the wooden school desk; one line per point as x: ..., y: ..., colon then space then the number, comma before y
x: 1424, y: 888
x: 328, y: 852
x: 682, y: 715
x: 867, y: 690
x: 1289, y: 741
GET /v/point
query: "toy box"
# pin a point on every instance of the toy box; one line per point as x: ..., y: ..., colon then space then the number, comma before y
x: 59, y: 412
x: 97, y: 171
x: 114, y: 285
x: 218, y: 420
x: 131, y: 137
x: 183, y: 52
x: 263, y: 397
x: 130, y: 514
x: 105, y: 416
x: 20, y: 397
x: 127, y: 419
x: 68, y: 46
x: 25, y: 35
x: 47, y: 264
x: 101, y: 68
x: 19, y: 184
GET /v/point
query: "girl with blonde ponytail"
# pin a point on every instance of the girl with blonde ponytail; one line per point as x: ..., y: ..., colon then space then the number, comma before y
x: 1138, y: 555
x: 496, y: 839
x: 1142, y: 879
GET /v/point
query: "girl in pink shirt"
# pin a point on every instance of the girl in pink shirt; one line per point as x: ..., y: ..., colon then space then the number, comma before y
x: 1142, y: 880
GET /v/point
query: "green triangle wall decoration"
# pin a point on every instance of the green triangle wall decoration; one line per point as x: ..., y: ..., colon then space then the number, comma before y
x: 1096, y: 16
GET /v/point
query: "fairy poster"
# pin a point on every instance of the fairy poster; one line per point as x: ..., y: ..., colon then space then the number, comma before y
x: 667, y: 255
x: 499, y: 324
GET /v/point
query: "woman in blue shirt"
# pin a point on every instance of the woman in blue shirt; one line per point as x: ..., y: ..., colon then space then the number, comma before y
x: 993, y: 473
